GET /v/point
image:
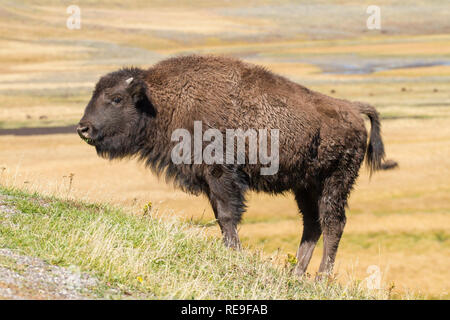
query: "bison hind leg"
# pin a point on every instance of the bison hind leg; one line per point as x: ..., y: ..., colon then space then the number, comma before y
x: 332, y: 203
x: 307, y: 201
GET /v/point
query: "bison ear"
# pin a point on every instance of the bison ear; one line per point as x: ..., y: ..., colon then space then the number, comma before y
x: 138, y: 90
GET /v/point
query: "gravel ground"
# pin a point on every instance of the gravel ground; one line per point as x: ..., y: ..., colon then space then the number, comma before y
x: 24, y: 277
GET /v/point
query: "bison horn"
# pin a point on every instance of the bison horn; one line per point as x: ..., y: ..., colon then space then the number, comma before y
x: 128, y: 81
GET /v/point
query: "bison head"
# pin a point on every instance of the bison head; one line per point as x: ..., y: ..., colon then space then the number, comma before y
x: 116, y: 117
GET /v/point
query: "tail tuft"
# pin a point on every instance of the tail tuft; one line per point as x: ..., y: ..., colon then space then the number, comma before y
x: 389, y: 164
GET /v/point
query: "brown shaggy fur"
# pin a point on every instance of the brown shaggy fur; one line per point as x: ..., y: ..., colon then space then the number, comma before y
x: 323, y: 140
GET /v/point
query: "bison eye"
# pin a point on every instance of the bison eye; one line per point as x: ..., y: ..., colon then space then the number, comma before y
x: 117, y: 100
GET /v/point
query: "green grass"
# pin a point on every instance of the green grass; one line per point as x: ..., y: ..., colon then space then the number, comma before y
x: 151, y: 258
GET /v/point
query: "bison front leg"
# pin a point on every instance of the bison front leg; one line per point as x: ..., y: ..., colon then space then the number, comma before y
x: 227, y: 223
x: 226, y: 195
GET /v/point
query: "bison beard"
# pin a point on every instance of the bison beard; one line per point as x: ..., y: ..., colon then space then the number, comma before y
x: 322, y: 141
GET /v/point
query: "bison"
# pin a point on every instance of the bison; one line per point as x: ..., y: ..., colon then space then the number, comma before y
x: 322, y: 140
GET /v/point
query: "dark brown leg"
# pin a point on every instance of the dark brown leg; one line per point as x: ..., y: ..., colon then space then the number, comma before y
x: 332, y: 233
x: 307, y: 203
x: 226, y: 195
x: 226, y: 222
x: 332, y: 215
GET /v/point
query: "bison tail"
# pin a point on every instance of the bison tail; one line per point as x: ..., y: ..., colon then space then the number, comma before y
x: 375, y: 148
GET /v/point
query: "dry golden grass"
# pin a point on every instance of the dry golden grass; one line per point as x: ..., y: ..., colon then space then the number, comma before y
x: 414, y: 47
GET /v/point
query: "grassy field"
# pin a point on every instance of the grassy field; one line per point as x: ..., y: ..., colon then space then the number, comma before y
x: 397, y: 220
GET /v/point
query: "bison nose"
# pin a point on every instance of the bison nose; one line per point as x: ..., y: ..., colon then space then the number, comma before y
x: 84, y: 130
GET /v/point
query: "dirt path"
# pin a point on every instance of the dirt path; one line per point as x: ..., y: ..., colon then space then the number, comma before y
x: 38, y: 131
